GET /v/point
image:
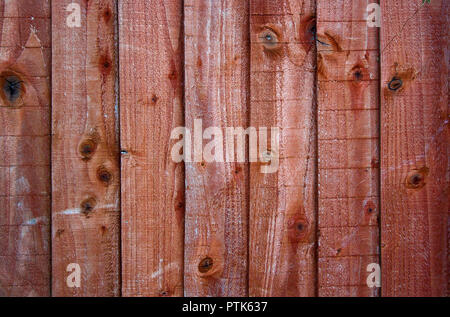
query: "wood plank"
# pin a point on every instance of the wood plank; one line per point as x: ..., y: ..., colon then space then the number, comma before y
x: 217, y: 61
x: 85, y: 152
x: 414, y: 151
x: 25, y: 146
x: 283, y: 204
x: 151, y: 44
x: 348, y: 142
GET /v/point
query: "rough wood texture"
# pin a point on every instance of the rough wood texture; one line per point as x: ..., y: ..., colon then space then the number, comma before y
x: 25, y: 146
x: 217, y: 59
x: 414, y: 148
x: 151, y: 43
x: 85, y: 173
x: 357, y: 182
x: 282, y: 205
x: 348, y: 156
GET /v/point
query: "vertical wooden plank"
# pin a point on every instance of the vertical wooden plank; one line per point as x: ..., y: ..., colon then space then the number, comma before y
x: 85, y: 170
x: 151, y: 44
x: 414, y: 148
x: 216, y: 58
x: 282, y: 204
x: 348, y: 138
x: 25, y: 146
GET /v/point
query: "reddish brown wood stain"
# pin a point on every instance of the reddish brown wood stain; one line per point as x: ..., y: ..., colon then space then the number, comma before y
x: 414, y: 149
x: 363, y: 156
x: 85, y: 167
x: 215, y: 257
x: 152, y: 185
x: 282, y: 259
x: 25, y: 146
x: 348, y: 179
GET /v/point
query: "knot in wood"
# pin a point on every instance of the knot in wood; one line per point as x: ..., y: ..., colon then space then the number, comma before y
x: 12, y: 87
x: 269, y: 39
x: 87, y: 149
x: 104, y: 175
x: 395, y: 84
x: 88, y: 205
x: 205, y: 265
x: 416, y: 178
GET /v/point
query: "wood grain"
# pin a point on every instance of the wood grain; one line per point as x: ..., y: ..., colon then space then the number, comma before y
x: 85, y: 169
x: 151, y: 73
x: 217, y: 61
x: 348, y: 142
x: 25, y: 146
x: 87, y: 119
x: 414, y: 148
x: 282, y: 204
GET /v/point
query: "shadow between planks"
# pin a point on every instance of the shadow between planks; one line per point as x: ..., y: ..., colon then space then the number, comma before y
x: 87, y: 181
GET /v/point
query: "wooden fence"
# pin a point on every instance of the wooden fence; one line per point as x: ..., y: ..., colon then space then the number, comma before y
x: 91, y: 91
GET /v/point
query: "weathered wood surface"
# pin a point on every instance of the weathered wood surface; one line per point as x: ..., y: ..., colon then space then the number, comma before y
x: 85, y: 153
x: 363, y: 148
x: 216, y: 90
x: 282, y: 228
x: 348, y: 142
x: 151, y: 50
x: 25, y: 147
x: 414, y: 148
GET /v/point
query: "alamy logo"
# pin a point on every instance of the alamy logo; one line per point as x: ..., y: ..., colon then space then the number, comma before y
x: 374, y: 17
x: 74, y: 18
x: 74, y: 278
x: 374, y: 278
x: 190, y: 148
